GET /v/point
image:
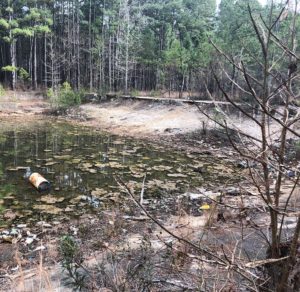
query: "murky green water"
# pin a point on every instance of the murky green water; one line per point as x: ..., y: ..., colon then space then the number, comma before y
x: 82, y: 162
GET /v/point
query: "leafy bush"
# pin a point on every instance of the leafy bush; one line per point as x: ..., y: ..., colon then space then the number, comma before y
x: 23, y: 74
x: 50, y: 93
x: 64, y: 97
x: 72, y: 261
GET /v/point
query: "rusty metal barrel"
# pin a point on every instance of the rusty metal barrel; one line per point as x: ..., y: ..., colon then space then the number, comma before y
x: 39, y: 182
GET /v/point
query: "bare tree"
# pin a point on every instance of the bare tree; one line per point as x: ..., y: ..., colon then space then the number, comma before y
x: 271, y: 92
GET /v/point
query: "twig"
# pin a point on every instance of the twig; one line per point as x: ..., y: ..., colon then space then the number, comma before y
x: 218, y: 260
x: 256, y: 264
x: 142, y: 191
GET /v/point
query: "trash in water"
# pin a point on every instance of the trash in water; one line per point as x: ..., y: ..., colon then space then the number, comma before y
x: 37, y: 180
x: 204, y: 207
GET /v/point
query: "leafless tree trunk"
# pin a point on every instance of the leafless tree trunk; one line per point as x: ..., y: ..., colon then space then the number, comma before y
x: 261, y: 149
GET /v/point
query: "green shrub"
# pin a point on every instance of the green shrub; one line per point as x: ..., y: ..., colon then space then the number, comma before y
x: 23, y: 74
x: 72, y: 261
x: 50, y: 93
x: 64, y: 97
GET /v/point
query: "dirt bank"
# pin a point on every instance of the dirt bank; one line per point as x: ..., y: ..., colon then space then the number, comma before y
x: 20, y: 103
x: 140, y: 118
x: 155, y: 121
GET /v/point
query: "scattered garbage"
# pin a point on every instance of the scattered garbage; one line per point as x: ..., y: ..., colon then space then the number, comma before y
x: 37, y: 180
x: 11, y: 236
x: 20, y: 233
x: 94, y: 202
x: 246, y: 164
x: 202, y: 195
x: 204, y: 207
x: 291, y: 173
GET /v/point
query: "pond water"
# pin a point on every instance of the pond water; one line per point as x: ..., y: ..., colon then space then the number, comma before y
x: 81, y: 165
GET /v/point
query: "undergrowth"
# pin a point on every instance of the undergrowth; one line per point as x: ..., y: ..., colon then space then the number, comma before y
x: 72, y: 260
x: 64, y: 96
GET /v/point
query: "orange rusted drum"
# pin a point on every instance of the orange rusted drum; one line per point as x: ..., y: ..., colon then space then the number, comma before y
x: 39, y: 182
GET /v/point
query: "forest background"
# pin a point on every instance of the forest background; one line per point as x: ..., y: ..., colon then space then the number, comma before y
x: 130, y: 46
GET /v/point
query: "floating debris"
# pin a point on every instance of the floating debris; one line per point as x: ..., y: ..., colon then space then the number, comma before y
x: 62, y: 157
x: 49, y: 209
x: 51, y: 163
x: 204, y: 207
x: 49, y: 199
x: 98, y: 192
x: 177, y: 175
x: 39, y: 182
x: 82, y: 164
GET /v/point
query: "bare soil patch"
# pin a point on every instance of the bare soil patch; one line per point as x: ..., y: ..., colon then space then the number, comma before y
x: 141, y: 119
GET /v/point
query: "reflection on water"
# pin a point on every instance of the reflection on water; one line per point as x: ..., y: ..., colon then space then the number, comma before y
x: 80, y: 161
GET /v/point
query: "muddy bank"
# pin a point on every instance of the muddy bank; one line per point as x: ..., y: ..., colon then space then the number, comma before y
x: 140, y: 119
x: 22, y: 103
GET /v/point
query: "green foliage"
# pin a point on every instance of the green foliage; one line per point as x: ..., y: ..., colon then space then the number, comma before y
x: 14, y: 23
x: 65, y: 96
x: 72, y: 261
x: 6, y: 189
x: 68, y: 249
x: 4, y: 24
x: 134, y: 92
x: 49, y: 21
x: 42, y: 29
x: 9, y: 10
x: 7, y: 39
x: 235, y: 30
x: 40, y: 20
x: 50, y: 93
x: 177, y: 56
x: 27, y: 32
x: 23, y: 74
x: 66, y: 86
x: 9, y: 68
x: 33, y: 15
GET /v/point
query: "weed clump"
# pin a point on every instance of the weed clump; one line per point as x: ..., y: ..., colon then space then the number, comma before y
x: 72, y: 260
x: 64, y: 96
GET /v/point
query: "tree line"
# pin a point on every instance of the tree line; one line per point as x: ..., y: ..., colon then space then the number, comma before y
x: 130, y: 45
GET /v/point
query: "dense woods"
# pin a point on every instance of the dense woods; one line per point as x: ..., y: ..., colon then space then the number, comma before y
x: 128, y: 45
